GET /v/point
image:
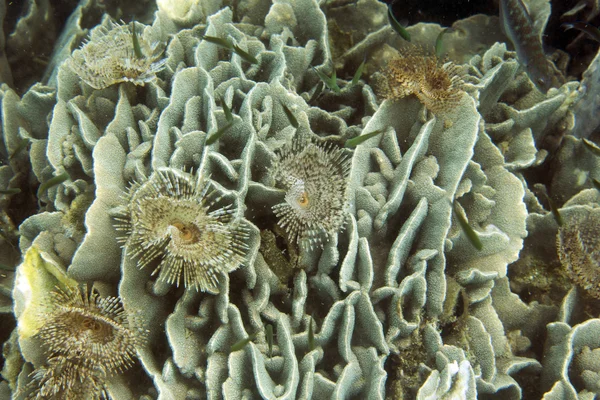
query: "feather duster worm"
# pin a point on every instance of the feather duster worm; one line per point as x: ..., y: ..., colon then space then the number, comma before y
x: 168, y: 218
x: 315, y: 180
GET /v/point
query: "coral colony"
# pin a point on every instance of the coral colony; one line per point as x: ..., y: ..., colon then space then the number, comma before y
x: 212, y: 201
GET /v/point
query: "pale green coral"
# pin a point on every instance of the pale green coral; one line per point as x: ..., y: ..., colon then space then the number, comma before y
x: 398, y: 276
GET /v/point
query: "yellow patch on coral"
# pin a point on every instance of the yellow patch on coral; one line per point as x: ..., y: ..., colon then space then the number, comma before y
x: 37, y: 276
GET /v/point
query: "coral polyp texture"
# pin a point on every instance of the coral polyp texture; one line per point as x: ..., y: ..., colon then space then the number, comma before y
x: 437, y: 84
x: 578, y: 246
x: 169, y: 218
x: 315, y: 179
x: 117, y: 54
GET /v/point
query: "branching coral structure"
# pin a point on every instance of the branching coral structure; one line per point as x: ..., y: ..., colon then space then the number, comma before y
x: 118, y: 54
x: 578, y: 244
x: 315, y: 181
x: 168, y: 217
x: 87, y: 338
x: 436, y: 84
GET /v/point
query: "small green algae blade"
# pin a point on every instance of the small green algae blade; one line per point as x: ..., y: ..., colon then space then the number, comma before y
x: 358, y: 73
x: 469, y: 232
x: 242, y: 343
x: 136, y: 43
x: 359, y: 139
x: 397, y: 26
x: 290, y: 116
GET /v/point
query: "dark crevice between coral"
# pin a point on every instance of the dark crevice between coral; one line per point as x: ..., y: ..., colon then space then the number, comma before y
x: 529, y: 381
x: 22, y: 205
x: 404, y: 374
x: 237, y: 291
x: 282, y: 301
x: 319, y: 305
x: 7, y: 325
x: 538, y: 281
x: 140, y: 10
x: 140, y: 381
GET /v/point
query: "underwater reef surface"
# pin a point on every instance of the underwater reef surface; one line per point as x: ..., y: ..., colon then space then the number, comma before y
x: 289, y: 200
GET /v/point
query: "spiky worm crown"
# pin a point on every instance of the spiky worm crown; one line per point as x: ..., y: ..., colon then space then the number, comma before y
x: 437, y: 85
x: 65, y: 380
x: 86, y: 338
x: 168, y: 217
x: 109, y: 57
x: 315, y: 181
x: 90, y: 330
x: 578, y: 246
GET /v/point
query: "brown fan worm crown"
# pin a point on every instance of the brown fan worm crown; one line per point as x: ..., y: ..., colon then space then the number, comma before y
x: 66, y: 380
x: 86, y: 338
x: 90, y: 330
x: 438, y: 85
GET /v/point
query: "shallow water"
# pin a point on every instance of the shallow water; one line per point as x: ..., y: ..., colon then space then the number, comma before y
x: 256, y: 199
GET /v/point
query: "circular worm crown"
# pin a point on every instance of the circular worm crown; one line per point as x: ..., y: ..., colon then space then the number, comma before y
x: 315, y: 180
x: 89, y: 331
x: 168, y: 218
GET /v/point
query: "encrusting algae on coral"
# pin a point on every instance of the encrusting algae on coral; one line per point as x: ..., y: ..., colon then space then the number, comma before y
x: 87, y: 339
x: 436, y: 84
x: 115, y: 55
x: 314, y: 178
x: 168, y: 218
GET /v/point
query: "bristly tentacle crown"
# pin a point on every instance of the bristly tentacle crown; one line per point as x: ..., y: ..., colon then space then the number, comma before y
x: 109, y: 57
x: 169, y: 218
x: 437, y: 84
x: 315, y: 180
x: 87, y: 339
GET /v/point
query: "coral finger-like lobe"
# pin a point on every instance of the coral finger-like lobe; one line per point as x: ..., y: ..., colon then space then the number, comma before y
x: 315, y: 180
x: 110, y: 57
x: 436, y: 84
x: 578, y: 245
x: 168, y: 217
x: 90, y: 331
